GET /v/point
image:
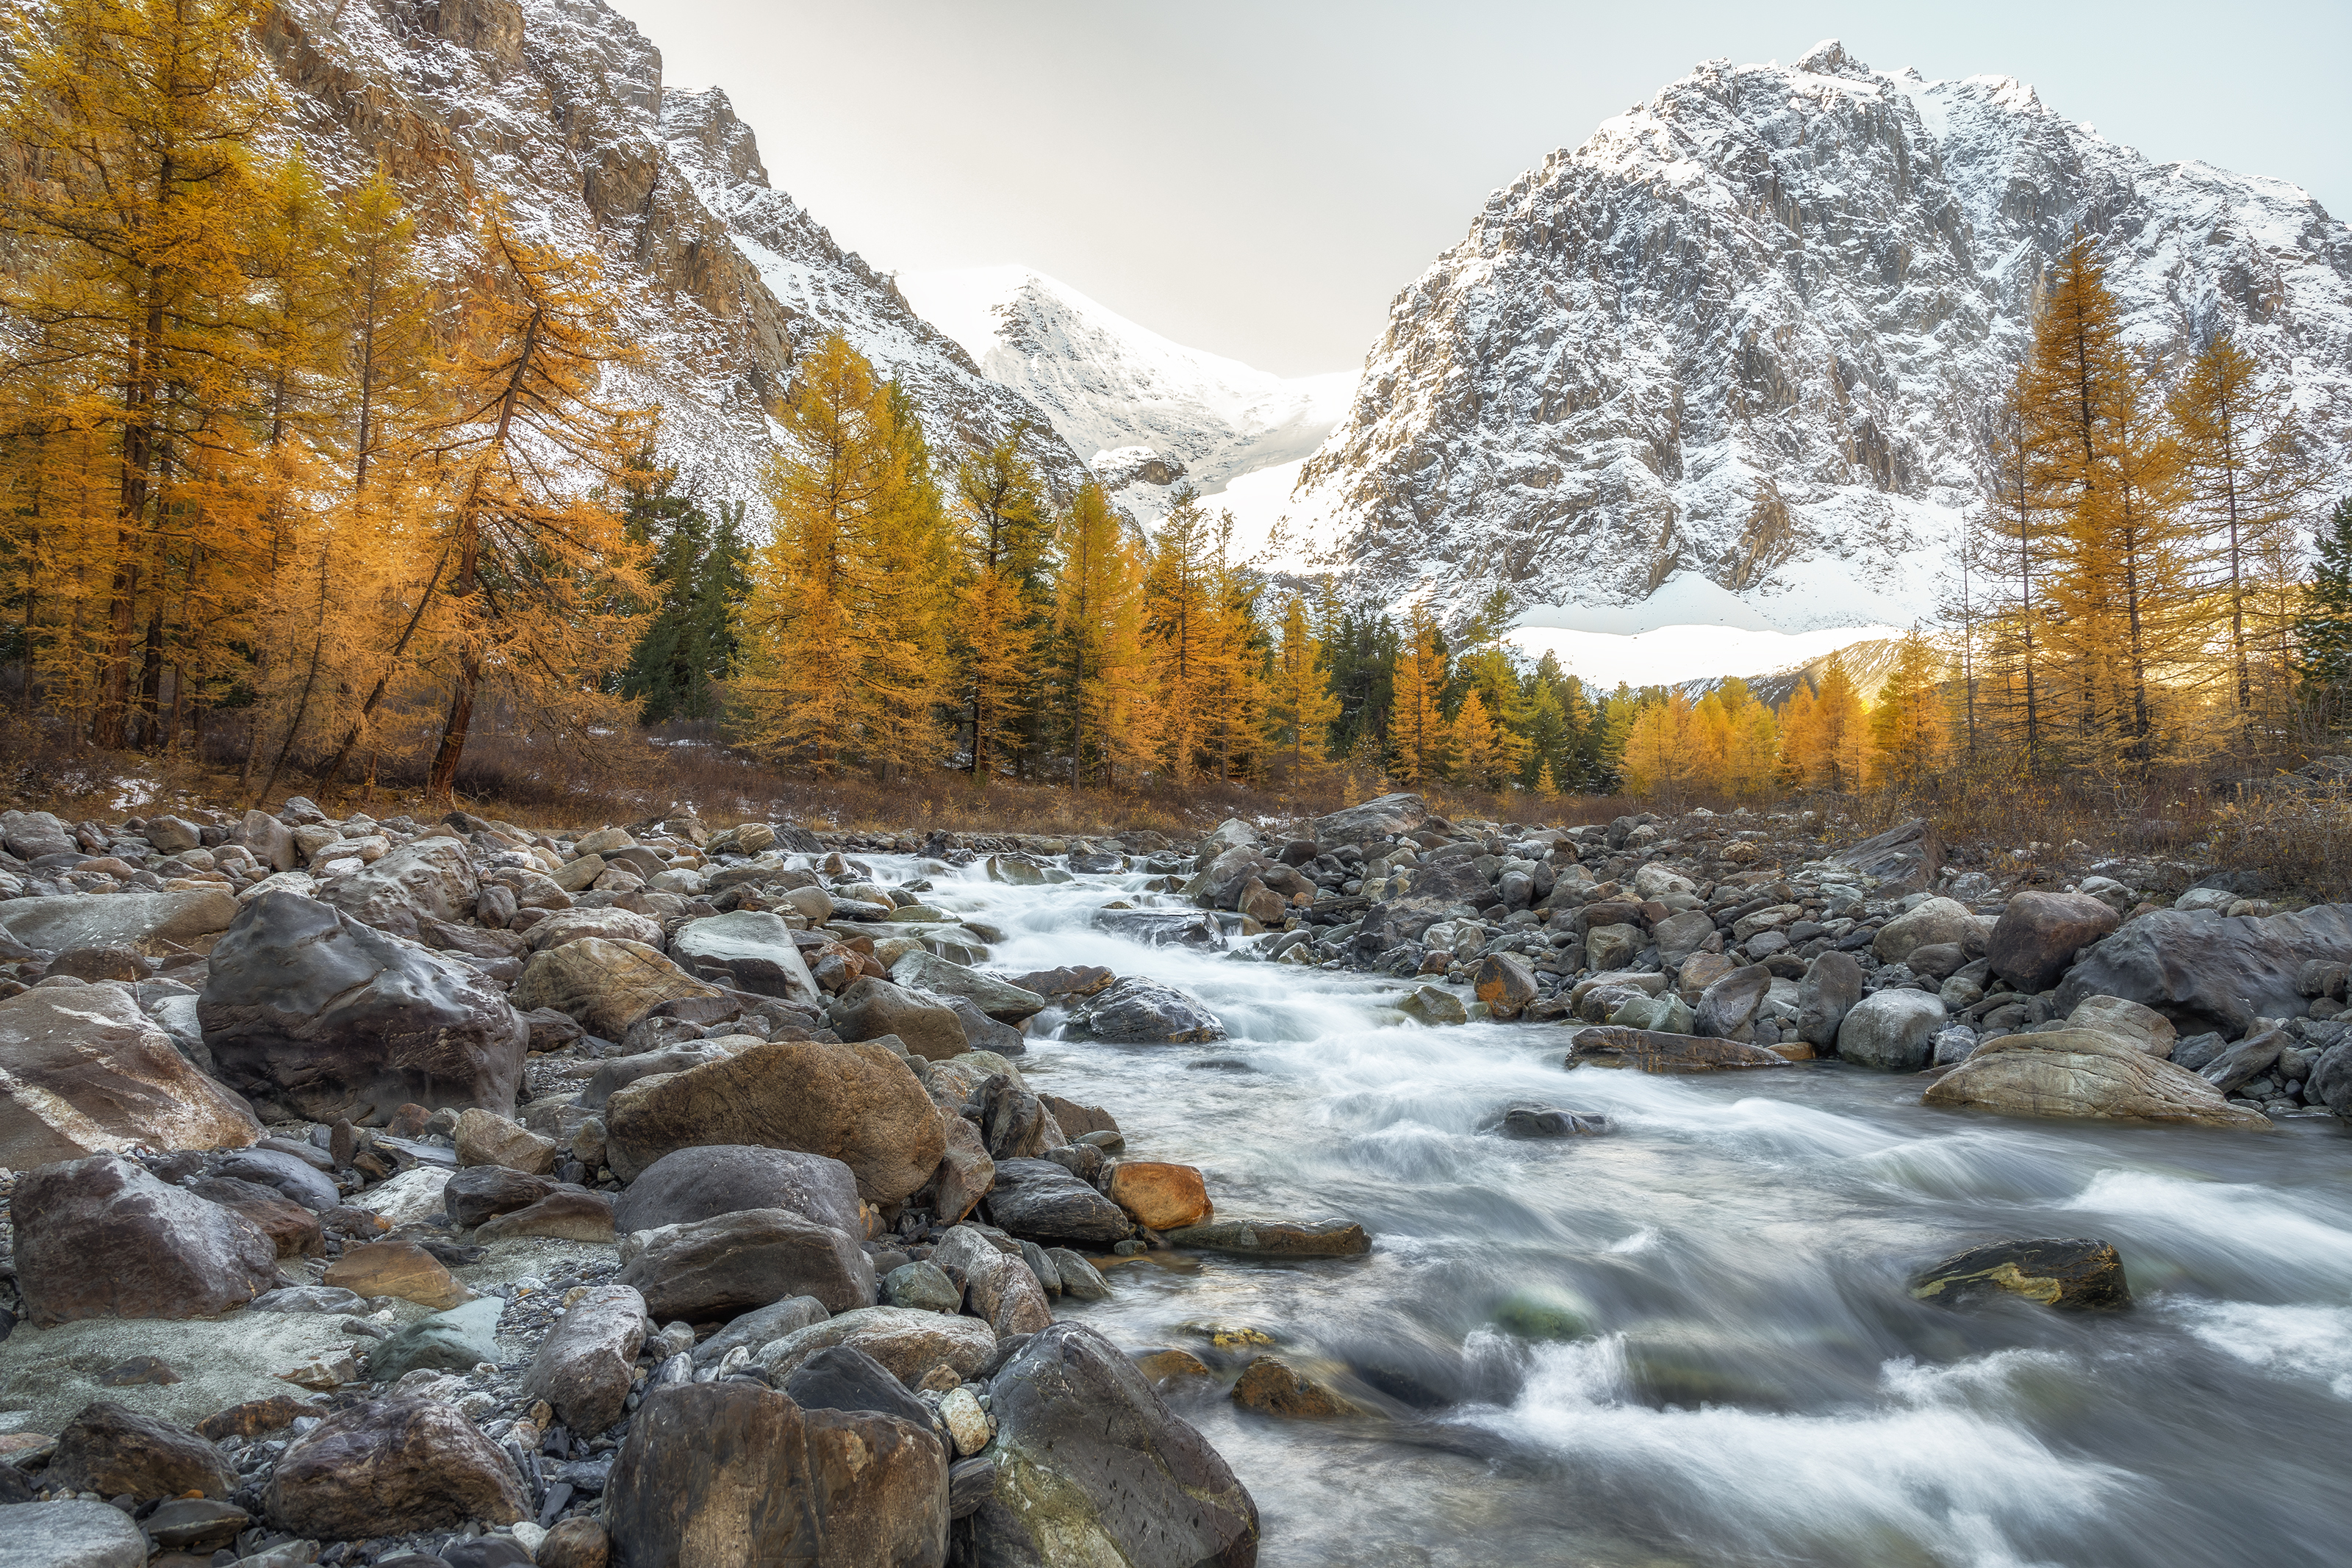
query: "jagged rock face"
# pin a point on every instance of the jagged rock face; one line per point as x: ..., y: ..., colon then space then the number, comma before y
x: 558, y: 107
x: 1754, y: 329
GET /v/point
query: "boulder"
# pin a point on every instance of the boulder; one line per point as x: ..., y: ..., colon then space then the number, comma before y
x: 1161, y: 1197
x: 881, y: 1483
x: 1093, y: 1466
x: 1384, y: 817
x: 2243, y: 1062
x: 585, y: 1366
x: 567, y: 1213
x: 2035, y: 942
x: 2151, y: 1030
x: 847, y: 1378
x: 477, y: 1193
x: 1612, y: 946
x: 83, y: 1071
x: 1528, y: 1119
x: 195, y: 1525
x: 605, y: 984
x: 1275, y: 1237
x: 102, y: 1238
x: 30, y: 835
x: 751, y: 950
x: 1650, y: 1051
x: 455, y: 1340
x: 1932, y: 920
x: 1505, y: 983
x: 1892, y: 1030
x: 1435, y: 1006
x: 1682, y: 934
x: 429, y: 879
x: 392, y: 1466
x: 484, y: 1138
x: 1002, y: 1290
x: 1827, y: 993
x: 965, y: 1172
x: 1898, y: 857
x: 733, y: 1263
x: 2330, y: 1081
x: 921, y: 1285
x: 2210, y: 971
x: 1013, y: 1120
x: 1272, y: 1386
x: 72, y: 1532
x: 110, y: 1450
x: 293, y: 1229
x: 856, y: 1104
x: 613, y: 924
x: 699, y: 1184
x: 314, y: 1016
x: 2077, y: 1072
x: 1001, y: 999
x: 1039, y: 1199
x: 1728, y: 1005
x: 296, y: 1179
x: 397, y: 1267
x: 153, y: 922
x: 269, y: 840
x: 620, y: 1071
x: 1136, y: 1011
x: 1156, y: 927
x: 2079, y: 1275
x: 871, y: 1009
x: 907, y: 1341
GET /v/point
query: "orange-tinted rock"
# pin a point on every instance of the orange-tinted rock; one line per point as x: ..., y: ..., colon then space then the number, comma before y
x: 400, y: 1269
x: 1275, y: 1388
x: 1162, y: 1196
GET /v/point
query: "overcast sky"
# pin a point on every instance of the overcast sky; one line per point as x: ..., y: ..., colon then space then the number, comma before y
x: 1260, y: 179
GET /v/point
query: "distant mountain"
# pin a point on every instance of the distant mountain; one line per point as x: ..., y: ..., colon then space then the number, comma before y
x: 1146, y: 411
x: 558, y: 107
x: 1750, y: 332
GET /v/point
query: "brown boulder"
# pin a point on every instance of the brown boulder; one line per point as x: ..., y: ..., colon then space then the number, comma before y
x: 880, y: 1486
x: 605, y: 984
x: 574, y: 1543
x: 1505, y: 983
x: 584, y: 1365
x: 400, y: 1269
x: 567, y: 1213
x: 2034, y: 941
x: 110, y: 1450
x: 256, y: 1416
x: 102, y: 1238
x: 392, y: 1466
x: 855, y: 1104
x: 1646, y: 1050
x: 291, y: 1228
x: 732, y: 1263
x: 2080, y: 1073
x: 1161, y: 1197
x: 1273, y: 1387
x: 714, y: 1475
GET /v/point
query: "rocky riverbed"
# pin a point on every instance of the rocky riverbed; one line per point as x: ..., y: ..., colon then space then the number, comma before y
x: 448, y: 1193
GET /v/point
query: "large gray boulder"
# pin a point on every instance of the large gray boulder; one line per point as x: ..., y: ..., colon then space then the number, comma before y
x: 30, y: 835
x: 2084, y: 1073
x: 907, y: 1339
x: 1827, y: 993
x: 153, y: 922
x: 1000, y: 999
x: 430, y: 879
x: 314, y: 1016
x: 698, y: 1184
x: 1932, y: 921
x: 1041, y: 1201
x: 2209, y: 971
x: 1384, y: 817
x: 1137, y: 1011
x: 1093, y: 1466
x: 871, y: 1009
x: 83, y: 1070
x: 749, y: 949
x: 2035, y: 942
x: 102, y: 1238
x: 1892, y: 1030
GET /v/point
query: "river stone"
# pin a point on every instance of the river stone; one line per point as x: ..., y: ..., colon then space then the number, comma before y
x: 1728, y: 1005
x: 110, y: 1450
x: 313, y: 1015
x: 1682, y: 934
x: 70, y: 1534
x: 871, y: 1009
x: 1137, y: 1011
x: 293, y: 1229
x: 1001, y: 999
x: 858, y: 1104
x: 623, y: 1071
x: 613, y: 924
x: 1158, y: 927
x: 2244, y: 1062
x: 2035, y: 942
x: 83, y: 1071
x: 1013, y: 1120
x: 152, y: 922
x: 1081, y: 1280
x: 1161, y: 1197
x: 1004, y: 1292
x: 102, y: 1238
x: 922, y: 1286
x: 716, y: 1474
x: 1648, y: 1050
x: 1505, y: 983
x: 391, y: 1467
x: 2079, y: 1275
x: 429, y: 879
x: 733, y: 1263
x: 477, y: 1193
x: 197, y: 1525
x: 753, y: 1330
x: 699, y: 1184
x: 909, y: 1342
x: 605, y: 984
x: 1275, y: 1237
x: 567, y: 1213
x: 455, y: 1340
x: 751, y: 950
x: 965, y: 1172
x: 1434, y: 1005
x: 1272, y: 1386
x: 2209, y: 971
x: 1093, y: 1466
x: 397, y: 1267
x: 483, y: 1138
x: 2080, y: 1073
x: 30, y: 835
x: 1527, y: 1119
x: 585, y: 1366
x: 1039, y: 1199
x: 300, y: 1183
x: 1827, y: 993
x: 1932, y: 920
x: 1892, y: 1030
x: 2151, y: 1030
x: 845, y: 1378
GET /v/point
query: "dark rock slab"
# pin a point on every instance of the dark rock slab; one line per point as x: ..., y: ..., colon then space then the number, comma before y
x: 2077, y: 1275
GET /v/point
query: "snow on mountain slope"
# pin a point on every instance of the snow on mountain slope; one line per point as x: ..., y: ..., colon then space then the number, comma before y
x: 556, y: 107
x: 1748, y: 336
x: 1121, y: 395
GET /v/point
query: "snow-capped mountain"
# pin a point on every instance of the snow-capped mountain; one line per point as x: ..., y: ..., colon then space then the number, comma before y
x: 1744, y: 339
x: 1145, y: 411
x: 556, y: 107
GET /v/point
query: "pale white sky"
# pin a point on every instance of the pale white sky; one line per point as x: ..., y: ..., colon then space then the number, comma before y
x: 1260, y: 179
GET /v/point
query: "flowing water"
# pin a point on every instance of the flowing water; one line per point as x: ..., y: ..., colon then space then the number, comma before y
x: 1756, y: 1385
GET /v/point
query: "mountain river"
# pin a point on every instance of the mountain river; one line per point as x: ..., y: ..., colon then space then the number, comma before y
x: 1755, y: 1384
